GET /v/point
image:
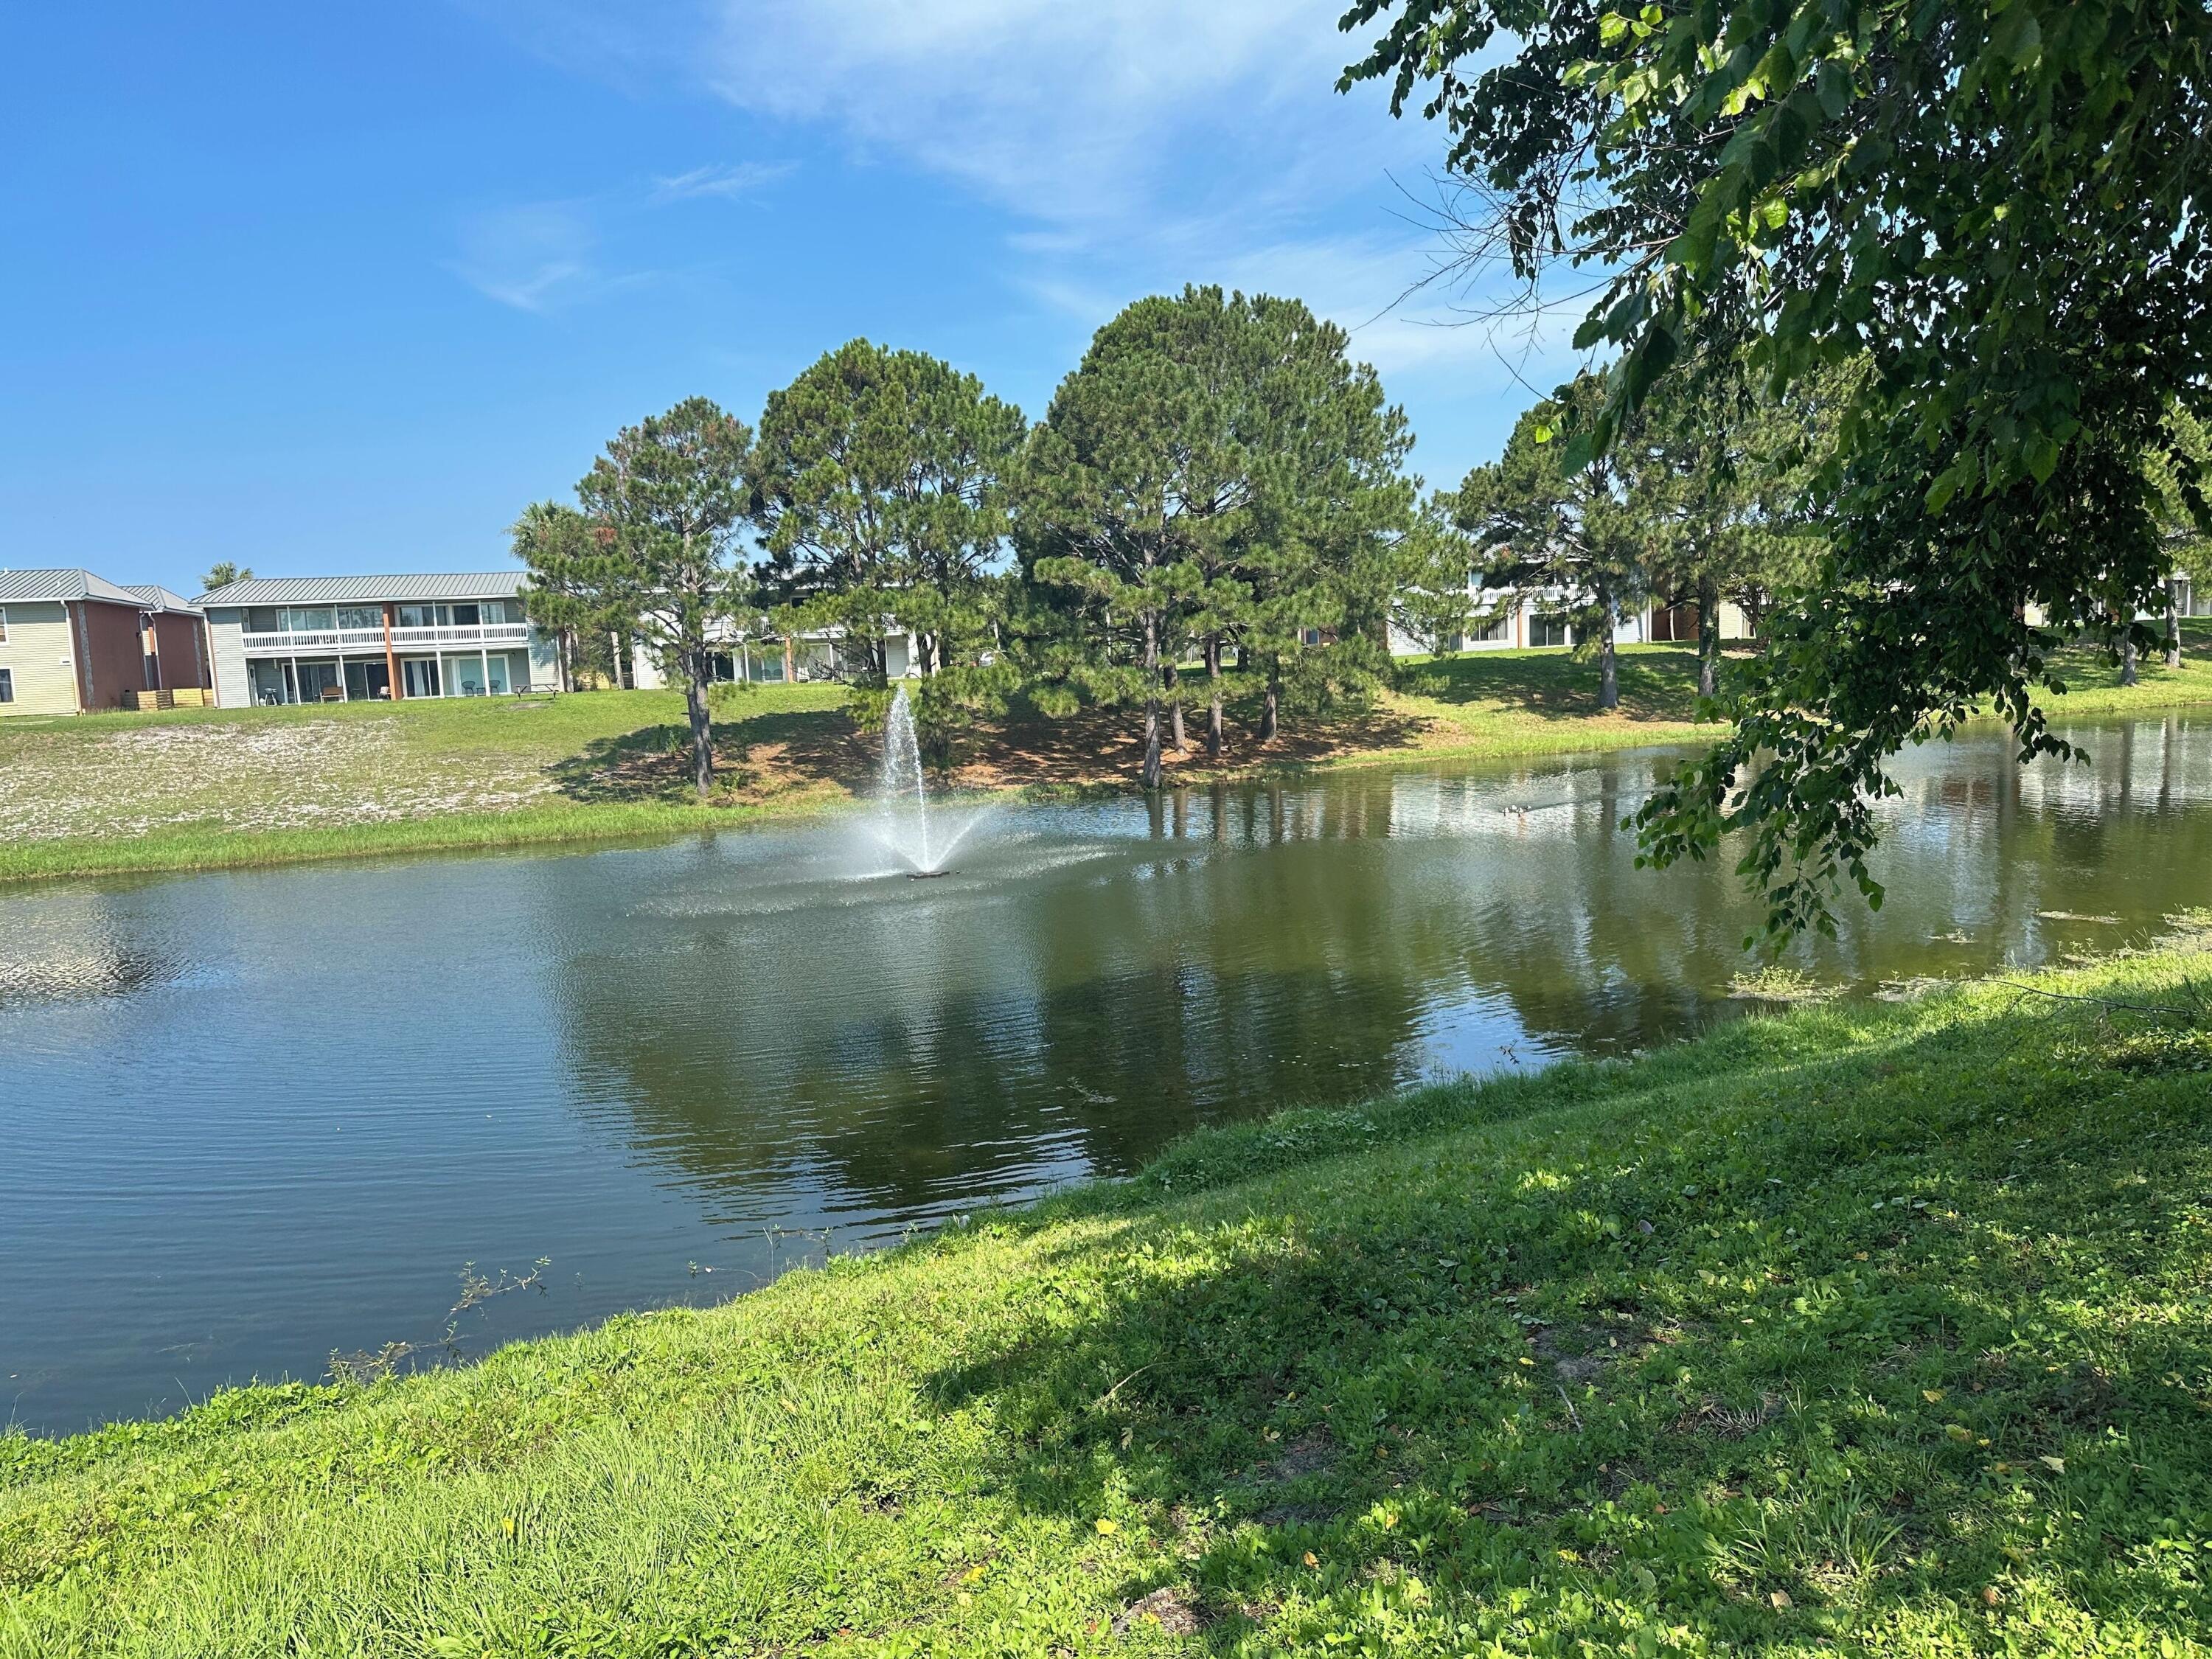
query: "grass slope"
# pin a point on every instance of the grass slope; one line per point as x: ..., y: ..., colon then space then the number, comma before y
x: 1878, y: 1329
x: 201, y: 789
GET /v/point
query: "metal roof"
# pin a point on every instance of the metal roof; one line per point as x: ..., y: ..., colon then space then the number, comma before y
x: 155, y: 597
x: 49, y: 585
x: 361, y: 590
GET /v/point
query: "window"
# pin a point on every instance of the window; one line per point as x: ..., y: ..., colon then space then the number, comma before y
x: 497, y: 610
x: 417, y: 615
x: 3, y: 628
x: 465, y: 615
x: 1492, y: 629
x: 1549, y: 630
x: 7, y: 685
x: 319, y: 682
x: 361, y: 615
x: 308, y: 618
x: 263, y: 619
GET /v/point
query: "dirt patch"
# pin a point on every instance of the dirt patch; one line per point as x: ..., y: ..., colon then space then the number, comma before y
x: 1579, y: 1354
x: 1172, y: 1608
x: 1721, y: 1421
x: 1314, y: 1452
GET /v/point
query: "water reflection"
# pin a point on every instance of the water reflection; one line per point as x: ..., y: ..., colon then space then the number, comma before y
x: 253, y: 1118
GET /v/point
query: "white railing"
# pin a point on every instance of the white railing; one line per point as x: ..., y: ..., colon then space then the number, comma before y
x: 372, y: 639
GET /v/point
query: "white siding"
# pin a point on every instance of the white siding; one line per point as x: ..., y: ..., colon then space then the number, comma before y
x: 544, y: 662
x: 233, y: 685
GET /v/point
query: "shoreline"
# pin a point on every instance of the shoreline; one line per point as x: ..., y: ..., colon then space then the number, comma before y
x: 1439, y: 738
x: 1561, y: 1328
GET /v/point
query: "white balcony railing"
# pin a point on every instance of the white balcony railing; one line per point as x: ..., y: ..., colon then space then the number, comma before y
x: 409, y: 640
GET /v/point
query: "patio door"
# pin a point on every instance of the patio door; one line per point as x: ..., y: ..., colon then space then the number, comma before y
x: 368, y: 681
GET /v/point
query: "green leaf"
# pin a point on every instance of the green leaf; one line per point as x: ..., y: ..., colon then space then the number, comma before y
x: 2017, y: 35
x: 1833, y: 83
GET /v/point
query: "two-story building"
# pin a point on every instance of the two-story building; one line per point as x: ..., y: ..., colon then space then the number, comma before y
x: 1509, y: 618
x: 71, y: 643
x: 352, y: 639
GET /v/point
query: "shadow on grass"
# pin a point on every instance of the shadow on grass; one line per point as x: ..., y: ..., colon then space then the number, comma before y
x: 1903, y: 1358
x: 1656, y: 683
x: 758, y: 754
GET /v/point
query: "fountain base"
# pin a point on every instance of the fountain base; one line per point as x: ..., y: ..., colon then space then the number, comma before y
x: 926, y: 875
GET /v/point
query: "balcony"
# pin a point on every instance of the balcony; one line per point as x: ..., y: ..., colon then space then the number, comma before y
x: 408, y: 641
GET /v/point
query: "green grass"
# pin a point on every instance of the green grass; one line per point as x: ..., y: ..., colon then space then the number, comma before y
x: 201, y: 789
x: 1867, y: 1328
x: 1516, y: 702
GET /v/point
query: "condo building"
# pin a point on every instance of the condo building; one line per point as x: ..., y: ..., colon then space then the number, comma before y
x: 355, y: 639
x: 72, y: 642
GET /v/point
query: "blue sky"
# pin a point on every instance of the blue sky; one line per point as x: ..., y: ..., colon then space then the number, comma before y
x: 339, y: 288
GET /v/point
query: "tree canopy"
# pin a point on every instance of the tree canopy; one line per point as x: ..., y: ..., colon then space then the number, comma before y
x: 1998, y: 205
x: 654, y: 549
x: 1215, y: 473
x: 880, y: 485
x: 1582, y: 526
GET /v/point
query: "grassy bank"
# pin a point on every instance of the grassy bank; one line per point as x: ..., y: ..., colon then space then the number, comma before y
x: 1517, y: 702
x: 201, y: 789
x: 1878, y: 1329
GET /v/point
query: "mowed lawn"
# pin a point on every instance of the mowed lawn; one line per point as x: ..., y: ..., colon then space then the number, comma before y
x: 193, y: 787
x: 1869, y: 1329
x: 204, y: 788
x: 1528, y: 702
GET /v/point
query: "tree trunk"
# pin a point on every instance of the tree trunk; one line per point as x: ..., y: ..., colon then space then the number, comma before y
x: 1708, y: 636
x: 1151, y: 775
x: 2131, y: 672
x: 2173, y: 621
x: 1215, y: 738
x: 1170, y: 682
x: 703, y: 732
x: 1271, y: 710
x: 1608, y: 666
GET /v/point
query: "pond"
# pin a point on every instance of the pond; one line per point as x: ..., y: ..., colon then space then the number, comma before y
x: 253, y: 1119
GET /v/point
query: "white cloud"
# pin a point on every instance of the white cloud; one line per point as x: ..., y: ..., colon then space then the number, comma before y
x: 543, y: 257
x: 535, y: 256
x: 1136, y: 145
x: 741, y: 179
x: 1068, y: 112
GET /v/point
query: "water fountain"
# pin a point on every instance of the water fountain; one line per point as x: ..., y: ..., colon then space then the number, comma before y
x: 905, y: 826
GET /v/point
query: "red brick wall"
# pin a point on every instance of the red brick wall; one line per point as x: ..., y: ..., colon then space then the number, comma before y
x: 182, y: 641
